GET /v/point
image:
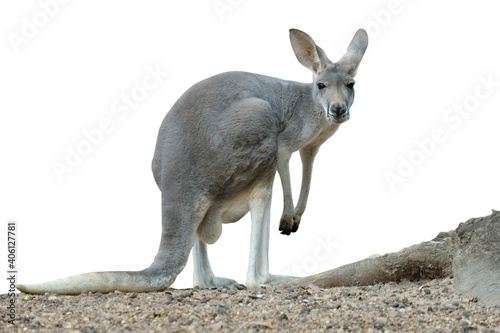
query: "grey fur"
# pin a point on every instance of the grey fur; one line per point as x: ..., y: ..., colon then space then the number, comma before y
x: 217, y: 153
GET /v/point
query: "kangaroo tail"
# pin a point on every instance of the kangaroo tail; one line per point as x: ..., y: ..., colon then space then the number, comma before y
x: 178, y: 235
x: 104, y: 282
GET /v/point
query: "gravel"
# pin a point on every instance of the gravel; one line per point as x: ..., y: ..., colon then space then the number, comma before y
x: 424, y: 306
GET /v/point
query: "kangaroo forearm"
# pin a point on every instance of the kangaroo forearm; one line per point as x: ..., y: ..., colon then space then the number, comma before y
x: 307, y: 156
x: 284, y: 172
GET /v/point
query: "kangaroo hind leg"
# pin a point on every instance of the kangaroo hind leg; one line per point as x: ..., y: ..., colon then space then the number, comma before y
x: 258, y: 263
x: 180, y: 220
x: 203, y: 277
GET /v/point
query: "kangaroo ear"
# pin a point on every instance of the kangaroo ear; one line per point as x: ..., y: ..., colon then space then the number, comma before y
x: 350, y: 61
x: 306, y: 51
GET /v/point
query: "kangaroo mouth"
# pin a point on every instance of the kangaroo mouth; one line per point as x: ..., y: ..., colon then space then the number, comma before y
x: 338, y: 120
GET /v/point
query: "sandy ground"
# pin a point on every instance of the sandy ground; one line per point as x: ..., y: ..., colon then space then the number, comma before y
x: 424, y: 306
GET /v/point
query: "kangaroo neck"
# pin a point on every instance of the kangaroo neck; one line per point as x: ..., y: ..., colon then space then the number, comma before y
x: 303, y: 119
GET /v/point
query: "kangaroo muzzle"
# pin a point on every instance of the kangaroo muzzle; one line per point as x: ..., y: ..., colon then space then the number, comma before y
x: 338, y: 113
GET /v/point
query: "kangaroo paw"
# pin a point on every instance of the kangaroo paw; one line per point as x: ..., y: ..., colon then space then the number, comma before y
x: 289, y: 224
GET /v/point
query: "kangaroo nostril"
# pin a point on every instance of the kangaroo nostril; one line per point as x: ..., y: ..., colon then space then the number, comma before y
x: 338, y: 111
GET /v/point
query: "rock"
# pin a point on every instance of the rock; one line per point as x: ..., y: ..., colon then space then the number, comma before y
x: 261, y: 324
x: 282, y: 317
x: 185, y: 294
x: 222, y: 310
x: 218, y: 326
x: 305, y: 311
x: 476, y: 261
x: 470, y: 253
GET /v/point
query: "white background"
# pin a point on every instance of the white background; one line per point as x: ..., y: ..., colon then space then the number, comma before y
x: 424, y: 58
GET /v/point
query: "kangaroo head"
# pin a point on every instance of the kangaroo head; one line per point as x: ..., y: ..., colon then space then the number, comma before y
x: 333, y: 83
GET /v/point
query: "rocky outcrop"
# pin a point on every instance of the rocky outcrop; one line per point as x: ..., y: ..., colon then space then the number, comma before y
x: 470, y: 254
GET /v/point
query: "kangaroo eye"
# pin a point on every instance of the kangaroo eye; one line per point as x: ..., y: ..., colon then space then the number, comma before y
x: 321, y: 86
x: 350, y: 85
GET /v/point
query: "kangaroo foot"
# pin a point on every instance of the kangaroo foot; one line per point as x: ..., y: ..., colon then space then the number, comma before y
x: 214, y: 282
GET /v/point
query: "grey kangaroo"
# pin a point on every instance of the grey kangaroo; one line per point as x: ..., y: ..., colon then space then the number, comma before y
x: 217, y: 153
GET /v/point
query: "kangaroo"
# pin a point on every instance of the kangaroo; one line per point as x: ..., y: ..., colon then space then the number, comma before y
x: 216, y: 157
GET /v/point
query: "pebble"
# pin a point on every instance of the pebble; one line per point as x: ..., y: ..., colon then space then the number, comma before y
x: 282, y: 317
x: 218, y: 326
x: 305, y: 311
x: 186, y: 294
